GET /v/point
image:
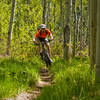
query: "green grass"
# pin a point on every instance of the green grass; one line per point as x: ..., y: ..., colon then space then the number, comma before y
x: 73, y: 81
x: 17, y: 76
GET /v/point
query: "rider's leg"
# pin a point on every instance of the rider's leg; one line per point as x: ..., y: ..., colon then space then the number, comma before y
x: 40, y: 50
x: 49, y: 51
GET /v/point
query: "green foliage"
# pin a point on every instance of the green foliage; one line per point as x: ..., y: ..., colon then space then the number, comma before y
x: 28, y: 16
x: 73, y: 81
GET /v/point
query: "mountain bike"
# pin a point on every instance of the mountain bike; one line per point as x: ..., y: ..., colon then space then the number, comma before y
x: 45, y: 54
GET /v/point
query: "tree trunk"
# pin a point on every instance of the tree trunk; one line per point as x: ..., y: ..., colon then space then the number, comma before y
x: 80, y: 28
x: 67, y: 35
x: 77, y: 30
x: 93, y: 30
x: 98, y: 44
x: 55, y: 17
x: 74, y: 26
x: 11, y: 26
x: 28, y: 2
x: 88, y: 27
x: 61, y: 20
x: 44, y: 11
x: 48, y: 14
x: 0, y: 23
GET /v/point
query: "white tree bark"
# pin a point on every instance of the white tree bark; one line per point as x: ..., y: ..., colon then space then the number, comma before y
x: 61, y: 20
x: 81, y: 28
x: 11, y: 26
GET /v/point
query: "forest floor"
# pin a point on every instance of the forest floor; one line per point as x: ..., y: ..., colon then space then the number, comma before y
x: 73, y: 81
x: 45, y: 80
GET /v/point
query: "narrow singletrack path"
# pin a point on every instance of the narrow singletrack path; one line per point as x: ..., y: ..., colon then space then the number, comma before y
x: 45, y: 80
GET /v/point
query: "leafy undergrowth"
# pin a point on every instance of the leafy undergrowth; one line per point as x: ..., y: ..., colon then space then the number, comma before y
x: 17, y: 76
x: 73, y: 81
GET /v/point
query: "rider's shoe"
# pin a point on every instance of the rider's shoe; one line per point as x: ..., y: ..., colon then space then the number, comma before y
x: 51, y: 60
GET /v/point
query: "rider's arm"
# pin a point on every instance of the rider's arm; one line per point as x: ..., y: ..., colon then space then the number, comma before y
x: 36, y: 36
x: 51, y: 36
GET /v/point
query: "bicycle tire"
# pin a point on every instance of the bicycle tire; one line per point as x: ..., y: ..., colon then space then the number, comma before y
x: 47, y: 59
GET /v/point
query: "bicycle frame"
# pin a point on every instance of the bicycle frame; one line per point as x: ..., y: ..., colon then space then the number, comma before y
x: 45, y: 53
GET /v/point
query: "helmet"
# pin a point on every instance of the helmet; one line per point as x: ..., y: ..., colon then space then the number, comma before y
x: 43, y: 26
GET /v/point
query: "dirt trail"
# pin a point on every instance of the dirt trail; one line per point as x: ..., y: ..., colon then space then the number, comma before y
x: 46, y: 80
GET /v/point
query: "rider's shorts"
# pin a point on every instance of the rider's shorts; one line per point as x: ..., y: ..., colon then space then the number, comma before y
x: 45, y: 40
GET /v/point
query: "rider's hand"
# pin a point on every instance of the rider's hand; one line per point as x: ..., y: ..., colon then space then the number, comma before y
x: 33, y: 39
x: 51, y: 38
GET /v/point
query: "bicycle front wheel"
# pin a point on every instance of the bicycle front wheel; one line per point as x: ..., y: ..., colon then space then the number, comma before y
x: 47, y: 59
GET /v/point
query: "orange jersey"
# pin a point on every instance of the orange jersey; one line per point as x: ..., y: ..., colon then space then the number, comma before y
x: 42, y: 35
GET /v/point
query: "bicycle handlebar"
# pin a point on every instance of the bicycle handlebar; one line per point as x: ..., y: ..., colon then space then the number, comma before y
x: 48, y: 40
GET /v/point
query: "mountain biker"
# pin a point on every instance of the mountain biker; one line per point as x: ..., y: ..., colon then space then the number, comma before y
x: 41, y: 36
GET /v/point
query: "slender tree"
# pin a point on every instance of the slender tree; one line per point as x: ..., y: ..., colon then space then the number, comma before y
x: 88, y: 27
x: 61, y: 20
x: 81, y: 28
x: 98, y: 44
x: 28, y: 2
x: 11, y: 26
x: 48, y: 13
x: 55, y: 17
x: 44, y: 11
x: 93, y: 30
x: 0, y: 21
x: 67, y: 35
x: 74, y: 26
x: 77, y: 28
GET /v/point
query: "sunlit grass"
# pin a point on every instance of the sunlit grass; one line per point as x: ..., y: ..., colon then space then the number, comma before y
x: 17, y: 76
x: 73, y: 81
